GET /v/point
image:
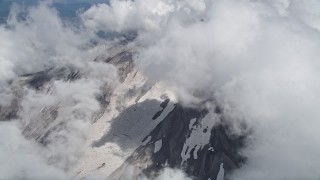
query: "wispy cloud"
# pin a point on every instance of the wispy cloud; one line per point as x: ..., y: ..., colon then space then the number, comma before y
x: 257, y: 59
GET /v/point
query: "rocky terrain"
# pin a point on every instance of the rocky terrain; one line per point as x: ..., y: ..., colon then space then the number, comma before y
x: 140, y: 127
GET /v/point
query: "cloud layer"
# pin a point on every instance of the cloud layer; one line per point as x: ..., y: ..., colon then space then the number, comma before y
x: 58, y: 113
x: 257, y: 59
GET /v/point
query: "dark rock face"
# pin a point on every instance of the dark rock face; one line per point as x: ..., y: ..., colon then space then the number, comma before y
x: 39, y: 127
x: 39, y: 79
x: 163, y: 105
x: 10, y: 112
x: 124, y: 63
x: 172, y: 133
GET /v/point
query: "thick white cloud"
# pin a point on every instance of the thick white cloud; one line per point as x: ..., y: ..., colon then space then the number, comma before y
x: 172, y: 174
x: 20, y: 158
x: 127, y: 15
x: 36, y: 39
x: 258, y: 59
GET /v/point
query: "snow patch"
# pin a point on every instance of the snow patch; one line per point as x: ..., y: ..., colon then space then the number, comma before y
x: 192, y: 121
x: 199, y: 137
x: 220, y: 175
x: 157, y: 146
